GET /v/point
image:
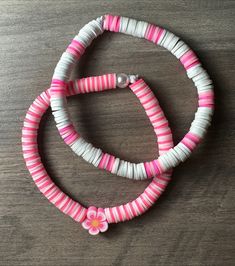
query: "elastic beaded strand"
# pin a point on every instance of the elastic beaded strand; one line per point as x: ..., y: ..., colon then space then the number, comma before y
x: 53, y: 193
x: 177, y: 47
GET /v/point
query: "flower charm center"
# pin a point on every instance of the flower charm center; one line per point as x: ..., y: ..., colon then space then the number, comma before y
x: 95, y: 223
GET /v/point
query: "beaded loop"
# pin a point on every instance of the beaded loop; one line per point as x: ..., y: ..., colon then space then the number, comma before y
x: 93, y: 219
x: 194, y: 70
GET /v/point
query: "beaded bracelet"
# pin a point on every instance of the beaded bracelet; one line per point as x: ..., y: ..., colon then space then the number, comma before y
x: 159, y: 36
x: 93, y: 219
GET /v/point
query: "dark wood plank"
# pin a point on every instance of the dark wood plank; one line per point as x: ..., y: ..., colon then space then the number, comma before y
x: 193, y: 222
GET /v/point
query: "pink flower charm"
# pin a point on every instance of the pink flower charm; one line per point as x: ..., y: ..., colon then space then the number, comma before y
x: 96, y: 221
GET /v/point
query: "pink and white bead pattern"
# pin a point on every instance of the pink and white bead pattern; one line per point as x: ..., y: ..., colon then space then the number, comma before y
x: 159, y: 36
x: 94, y: 219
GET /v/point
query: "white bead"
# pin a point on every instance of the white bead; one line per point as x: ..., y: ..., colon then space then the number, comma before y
x: 122, y: 80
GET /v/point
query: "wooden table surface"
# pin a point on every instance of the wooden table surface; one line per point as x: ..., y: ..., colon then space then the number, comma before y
x: 193, y: 222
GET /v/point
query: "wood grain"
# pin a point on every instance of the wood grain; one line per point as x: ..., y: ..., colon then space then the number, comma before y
x: 193, y: 222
